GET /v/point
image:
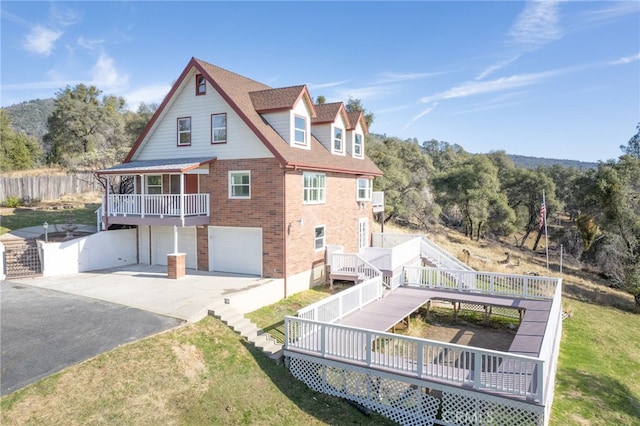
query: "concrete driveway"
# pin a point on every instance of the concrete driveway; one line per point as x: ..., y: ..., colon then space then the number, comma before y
x: 50, y: 323
x: 148, y: 288
x: 44, y: 331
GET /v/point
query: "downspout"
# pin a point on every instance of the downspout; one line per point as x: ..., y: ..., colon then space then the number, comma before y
x: 284, y: 227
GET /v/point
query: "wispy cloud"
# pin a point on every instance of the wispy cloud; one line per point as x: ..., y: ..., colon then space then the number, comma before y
x: 536, y: 26
x: 393, y: 77
x: 313, y: 86
x: 365, y: 93
x: 106, y: 76
x: 63, y: 15
x: 626, y: 60
x: 41, y: 40
x: 472, y: 88
x: 89, y: 43
x: 149, y: 94
x: 611, y: 10
x: 419, y: 116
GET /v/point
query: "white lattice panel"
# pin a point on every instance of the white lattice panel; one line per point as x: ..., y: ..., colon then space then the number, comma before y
x: 470, y: 409
x: 409, y: 401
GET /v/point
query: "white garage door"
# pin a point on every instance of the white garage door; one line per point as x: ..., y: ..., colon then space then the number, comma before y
x: 162, y: 244
x: 236, y: 250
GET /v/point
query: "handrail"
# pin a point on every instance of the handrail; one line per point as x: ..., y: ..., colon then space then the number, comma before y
x: 444, y: 259
x: 341, y: 304
x: 482, y: 369
x: 173, y: 205
x: 526, y: 286
x: 353, y: 263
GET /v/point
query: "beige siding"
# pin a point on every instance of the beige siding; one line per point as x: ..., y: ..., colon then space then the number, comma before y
x: 160, y: 143
x: 281, y: 123
x: 322, y: 132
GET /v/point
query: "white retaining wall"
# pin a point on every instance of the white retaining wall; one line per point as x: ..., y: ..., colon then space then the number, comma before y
x: 97, y: 251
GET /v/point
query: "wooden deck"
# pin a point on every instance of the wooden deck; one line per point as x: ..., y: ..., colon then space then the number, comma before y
x: 384, y: 313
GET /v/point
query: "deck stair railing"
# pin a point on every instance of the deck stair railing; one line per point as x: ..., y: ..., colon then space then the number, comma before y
x: 526, y: 286
x: 508, y: 374
x: 339, y: 305
x: 439, y: 257
x: 100, y: 225
x: 353, y: 265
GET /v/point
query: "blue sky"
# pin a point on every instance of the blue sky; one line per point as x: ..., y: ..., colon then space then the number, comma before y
x: 558, y: 79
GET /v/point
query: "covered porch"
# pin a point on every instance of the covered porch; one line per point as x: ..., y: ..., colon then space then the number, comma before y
x: 158, y: 192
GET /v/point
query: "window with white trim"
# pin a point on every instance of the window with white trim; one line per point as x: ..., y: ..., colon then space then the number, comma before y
x: 364, y: 189
x: 337, y: 139
x: 219, y: 128
x: 357, y: 146
x: 184, y: 131
x: 240, y: 184
x: 300, y: 130
x: 313, y: 188
x: 154, y: 184
x: 320, y: 238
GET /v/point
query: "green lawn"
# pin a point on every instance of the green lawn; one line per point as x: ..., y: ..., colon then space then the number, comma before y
x: 12, y: 219
x: 598, y: 380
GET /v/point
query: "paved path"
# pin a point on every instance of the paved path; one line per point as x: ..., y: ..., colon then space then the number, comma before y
x: 44, y: 331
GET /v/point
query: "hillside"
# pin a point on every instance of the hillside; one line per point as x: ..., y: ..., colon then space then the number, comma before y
x: 30, y: 117
x: 533, y: 162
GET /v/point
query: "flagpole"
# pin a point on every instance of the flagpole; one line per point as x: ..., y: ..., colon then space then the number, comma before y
x: 546, y: 236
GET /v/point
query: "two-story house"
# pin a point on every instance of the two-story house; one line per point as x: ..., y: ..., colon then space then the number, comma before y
x: 234, y: 176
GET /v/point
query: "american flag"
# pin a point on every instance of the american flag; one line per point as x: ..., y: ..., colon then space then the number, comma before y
x: 542, y: 211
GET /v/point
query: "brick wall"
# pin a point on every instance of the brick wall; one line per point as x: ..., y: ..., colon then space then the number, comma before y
x: 264, y: 209
x: 340, y: 214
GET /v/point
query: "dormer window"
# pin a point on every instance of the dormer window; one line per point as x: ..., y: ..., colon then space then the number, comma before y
x: 201, y: 85
x: 357, y: 146
x: 337, y: 139
x: 300, y: 130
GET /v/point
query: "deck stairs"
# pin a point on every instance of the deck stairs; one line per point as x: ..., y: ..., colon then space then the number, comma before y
x: 436, y: 257
x: 241, y: 325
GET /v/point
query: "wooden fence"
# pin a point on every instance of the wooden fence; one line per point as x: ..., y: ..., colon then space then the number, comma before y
x: 47, y: 187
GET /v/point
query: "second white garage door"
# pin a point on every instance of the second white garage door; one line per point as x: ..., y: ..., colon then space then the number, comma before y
x: 162, y: 244
x: 236, y: 250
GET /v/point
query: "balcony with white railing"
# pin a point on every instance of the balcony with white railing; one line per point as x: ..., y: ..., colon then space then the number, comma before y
x: 161, y: 209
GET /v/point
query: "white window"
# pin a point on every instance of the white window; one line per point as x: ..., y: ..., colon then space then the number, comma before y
x: 300, y: 130
x: 218, y: 128
x: 240, y: 184
x: 320, y: 237
x: 313, y: 188
x: 154, y: 184
x: 184, y: 131
x: 357, y: 146
x: 337, y: 139
x: 364, y: 189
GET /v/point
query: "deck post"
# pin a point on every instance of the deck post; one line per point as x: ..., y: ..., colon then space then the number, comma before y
x: 477, y: 370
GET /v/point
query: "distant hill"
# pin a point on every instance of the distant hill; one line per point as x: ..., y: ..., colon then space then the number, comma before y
x: 533, y: 162
x: 30, y: 117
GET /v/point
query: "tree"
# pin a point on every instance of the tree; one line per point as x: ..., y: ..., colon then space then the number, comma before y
x: 81, y: 124
x: 135, y: 122
x: 633, y: 146
x: 405, y: 180
x: 356, y: 105
x: 17, y: 150
x: 321, y: 100
x: 472, y: 187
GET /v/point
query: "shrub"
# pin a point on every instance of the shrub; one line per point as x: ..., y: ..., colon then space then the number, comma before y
x: 13, y: 202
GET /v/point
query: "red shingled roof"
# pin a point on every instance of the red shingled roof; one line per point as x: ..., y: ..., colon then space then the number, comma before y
x: 247, y: 97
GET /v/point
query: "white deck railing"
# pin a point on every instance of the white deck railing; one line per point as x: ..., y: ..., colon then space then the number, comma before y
x: 483, y: 282
x: 158, y: 205
x: 353, y: 264
x: 440, y: 257
x: 481, y: 369
x: 339, y: 305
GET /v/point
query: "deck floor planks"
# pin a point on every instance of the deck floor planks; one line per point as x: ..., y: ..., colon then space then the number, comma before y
x: 384, y: 313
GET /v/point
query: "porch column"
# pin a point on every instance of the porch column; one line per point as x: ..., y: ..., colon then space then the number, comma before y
x: 176, y: 262
x: 142, y: 202
x: 104, y: 223
x: 181, y: 200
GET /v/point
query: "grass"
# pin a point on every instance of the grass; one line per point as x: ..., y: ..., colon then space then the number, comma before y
x: 17, y: 218
x: 197, y: 374
x: 205, y: 374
